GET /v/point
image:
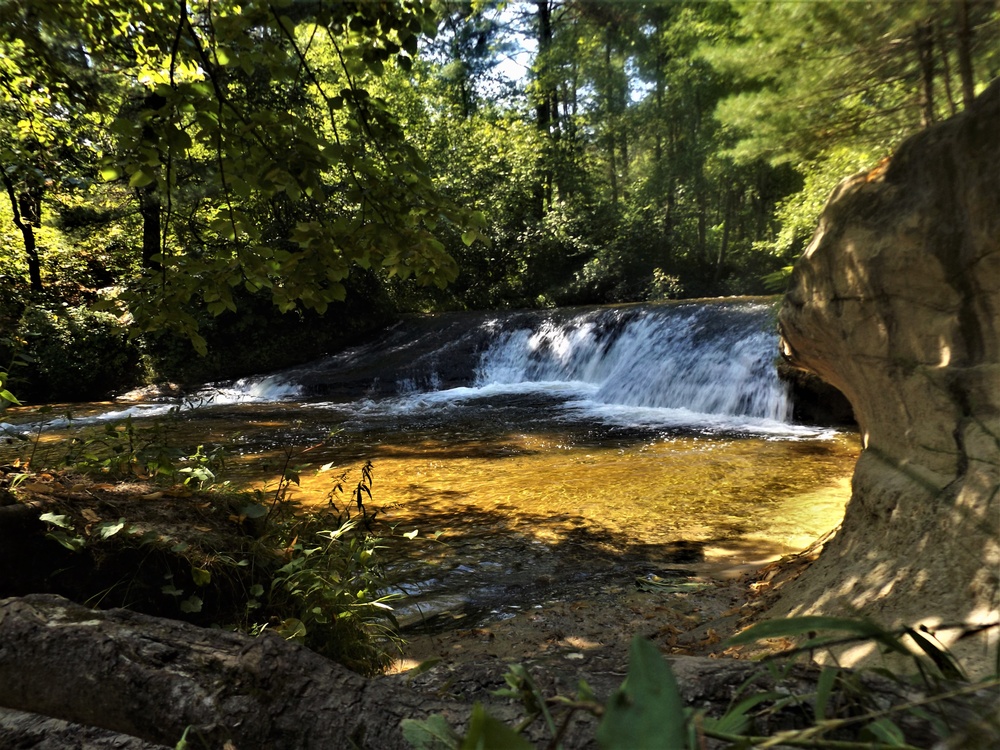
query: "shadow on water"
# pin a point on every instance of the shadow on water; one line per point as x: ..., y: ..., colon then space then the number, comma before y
x: 488, y: 566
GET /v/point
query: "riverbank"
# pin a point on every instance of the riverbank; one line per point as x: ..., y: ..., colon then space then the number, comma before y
x: 587, y: 636
x: 573, y: 627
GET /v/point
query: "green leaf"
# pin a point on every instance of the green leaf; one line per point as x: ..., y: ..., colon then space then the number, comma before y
x: 489, y: 733
x: 292, y: 629
x: 108, y: 529
x: 110, y: 174
x: 253, y: 510
x: 798, y: 626
x: 141, y: 178
x: 824, y: 689
x: 735, y: 719
x: 886, y: 732
x: 192, y: 604
x: 943, y: 660
x: 432, y: 733
x: 72, y: 543
x: 647, y: 711
x: 200, y: 576
x: 199, y: 343
x: 56, y: 520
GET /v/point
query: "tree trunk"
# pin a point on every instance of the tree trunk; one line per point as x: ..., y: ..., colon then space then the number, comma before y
x: 964, y: 37
x: 151, y: 679
x: 21, y: 729
x: 727, y: 219
x: 924, y: 41
x: 25, y: 221
x: 152, y: 227
x: 942, y: 46
x: 610, y: 115
x: 543, y: 108
x: 149, y: 201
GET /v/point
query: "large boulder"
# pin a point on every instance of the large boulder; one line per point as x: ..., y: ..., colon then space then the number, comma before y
x: 896, y: 302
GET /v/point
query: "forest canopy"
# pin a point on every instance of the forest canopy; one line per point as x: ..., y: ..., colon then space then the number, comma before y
x: 168, y: 163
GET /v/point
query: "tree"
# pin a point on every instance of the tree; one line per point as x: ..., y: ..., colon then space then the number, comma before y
x: 466, y: 51
x: 235, y: 190
x: 831, y: 88
x: 43, y: 79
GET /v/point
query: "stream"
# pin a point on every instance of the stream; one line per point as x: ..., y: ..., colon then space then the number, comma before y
x: 534, y: 455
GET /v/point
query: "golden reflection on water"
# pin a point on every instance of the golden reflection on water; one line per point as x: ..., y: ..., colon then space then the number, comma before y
x: 747, y: 499
x: 742, y: 499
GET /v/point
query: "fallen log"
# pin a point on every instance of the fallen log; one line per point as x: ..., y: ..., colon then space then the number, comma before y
x: 72, y: 678
x: 19, y: 729
x: 153, y: 678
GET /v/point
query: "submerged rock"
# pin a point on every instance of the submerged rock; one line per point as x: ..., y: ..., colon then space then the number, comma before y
x: 896, y: 302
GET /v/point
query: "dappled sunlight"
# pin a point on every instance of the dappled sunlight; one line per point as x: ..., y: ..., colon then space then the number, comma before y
x: 695, y: 489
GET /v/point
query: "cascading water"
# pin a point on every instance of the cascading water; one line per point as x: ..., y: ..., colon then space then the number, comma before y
x: 701, y: 366
x: 705, y: 359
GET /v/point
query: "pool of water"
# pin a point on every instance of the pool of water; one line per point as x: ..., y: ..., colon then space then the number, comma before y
x: 513, y: 502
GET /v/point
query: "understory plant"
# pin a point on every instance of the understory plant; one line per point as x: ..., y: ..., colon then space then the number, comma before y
x: 125, y: 450
x: 934, y: 704
x: 190, y: 546
x: 330, y: 593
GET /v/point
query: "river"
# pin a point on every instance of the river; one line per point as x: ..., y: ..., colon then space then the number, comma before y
x: 532, y: 452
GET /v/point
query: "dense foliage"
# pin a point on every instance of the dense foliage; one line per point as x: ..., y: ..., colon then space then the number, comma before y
x: 172, y: 161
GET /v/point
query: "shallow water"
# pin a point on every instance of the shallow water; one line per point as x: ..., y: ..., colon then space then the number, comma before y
x: 512, y: 506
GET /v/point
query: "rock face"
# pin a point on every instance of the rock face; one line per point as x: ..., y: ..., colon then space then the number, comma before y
x: 896, y: 302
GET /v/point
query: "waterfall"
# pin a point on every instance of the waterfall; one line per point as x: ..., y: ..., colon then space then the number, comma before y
x: 691, y: 365
x: 711, y: 359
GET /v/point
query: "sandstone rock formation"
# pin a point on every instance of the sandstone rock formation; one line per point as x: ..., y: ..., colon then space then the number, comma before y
x: 896, y: 302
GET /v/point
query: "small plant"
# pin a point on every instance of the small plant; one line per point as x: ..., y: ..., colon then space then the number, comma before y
x: 360, y: 492
x: 202, y: 467
x: 6, y: 397
x: 125, y: 450
x: 252, y: 561
x: 329, y: 592
x: 331, y: 587
x: 17, y: 359
x: 843, y: 711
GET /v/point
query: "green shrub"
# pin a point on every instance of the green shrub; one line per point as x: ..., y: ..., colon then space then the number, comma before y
x: 76, y: 354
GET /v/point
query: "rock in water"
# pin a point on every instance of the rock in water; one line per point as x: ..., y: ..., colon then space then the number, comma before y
x: 896, y: 302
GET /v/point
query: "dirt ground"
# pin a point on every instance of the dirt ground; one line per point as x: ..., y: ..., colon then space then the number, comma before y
x: 564, y: 641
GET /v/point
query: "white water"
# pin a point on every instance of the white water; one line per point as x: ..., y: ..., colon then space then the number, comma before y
x: 708, y: 367
x: 704, y: 367
x: 244, y: 391
x: 660, y: 361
